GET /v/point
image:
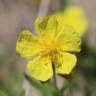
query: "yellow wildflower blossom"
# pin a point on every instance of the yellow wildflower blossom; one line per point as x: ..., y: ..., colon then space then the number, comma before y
x: 73, y: 16
x: 53, y: 45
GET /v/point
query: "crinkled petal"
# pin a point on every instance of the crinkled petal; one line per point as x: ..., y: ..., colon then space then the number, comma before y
x: 27, y: 44
x: 69, y: 40
x: 65, y: 62
x: 40, y: 68
x: 46, y: 26
x: 60, y: 18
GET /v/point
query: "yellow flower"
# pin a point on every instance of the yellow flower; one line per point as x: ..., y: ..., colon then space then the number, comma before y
x: 73, y: 16
x: 53, y: 45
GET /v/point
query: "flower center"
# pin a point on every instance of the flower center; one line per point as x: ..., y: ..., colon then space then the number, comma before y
x: 48, y: 47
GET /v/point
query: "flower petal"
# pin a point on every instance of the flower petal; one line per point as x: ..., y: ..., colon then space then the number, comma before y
x: 76, y: 18
x: 27, y: 44
x: 46, y: 26
x: 65, y: 63
x: 69, y: 40
x: 40, y: 68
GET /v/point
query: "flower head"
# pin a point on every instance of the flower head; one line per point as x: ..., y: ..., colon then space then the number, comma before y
x: 55, y: 43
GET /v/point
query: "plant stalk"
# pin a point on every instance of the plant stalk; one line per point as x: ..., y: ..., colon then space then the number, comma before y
x: 54, y: 76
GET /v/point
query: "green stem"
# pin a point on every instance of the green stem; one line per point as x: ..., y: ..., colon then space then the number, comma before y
x: 54, y: 76
x: 57, y: 92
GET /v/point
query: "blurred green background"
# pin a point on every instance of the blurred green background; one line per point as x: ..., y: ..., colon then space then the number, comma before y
x: 18, y: 14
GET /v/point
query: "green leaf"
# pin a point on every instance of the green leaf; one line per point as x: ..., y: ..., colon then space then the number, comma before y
x: 2, y: 93
x: 42, y: 87
x: 33, y: 82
